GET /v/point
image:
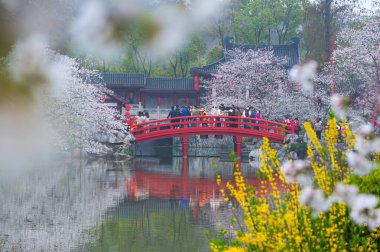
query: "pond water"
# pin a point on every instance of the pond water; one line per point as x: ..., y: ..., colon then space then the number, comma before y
x: 150, y: 203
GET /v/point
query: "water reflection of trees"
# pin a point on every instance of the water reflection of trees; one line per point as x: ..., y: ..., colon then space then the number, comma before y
x: 51, y: 208
x: 54, y: 207
x: 150, y: 225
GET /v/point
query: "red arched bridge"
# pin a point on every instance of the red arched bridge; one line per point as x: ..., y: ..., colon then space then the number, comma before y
x: 236, y: 126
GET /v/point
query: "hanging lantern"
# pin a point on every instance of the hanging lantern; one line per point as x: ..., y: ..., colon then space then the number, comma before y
x: 196, y: 86
x: 103, y: 99
x: 131, y: 95
x: 127, y: 107
x: 196, y: 83
x: 158, y: 100
x: 187, y: 101
x: 127, y: 114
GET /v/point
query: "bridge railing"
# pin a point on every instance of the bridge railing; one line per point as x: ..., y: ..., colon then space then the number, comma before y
x: 232, y: 122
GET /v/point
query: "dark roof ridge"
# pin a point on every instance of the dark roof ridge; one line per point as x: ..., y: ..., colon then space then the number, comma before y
x: 228, y: 45
x: 290, y: 51
x: 168, y: 78
x: 123, y: 79
x: 122, y: 73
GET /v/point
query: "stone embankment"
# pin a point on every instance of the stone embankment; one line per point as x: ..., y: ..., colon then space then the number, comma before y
x: 116, y: 144
x: 282, y: 149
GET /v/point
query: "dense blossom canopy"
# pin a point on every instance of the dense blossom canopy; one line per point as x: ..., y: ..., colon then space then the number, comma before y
x: 76, y: 112
x: 257, y: 78
x: 355, y: 72
x: 69, y: 97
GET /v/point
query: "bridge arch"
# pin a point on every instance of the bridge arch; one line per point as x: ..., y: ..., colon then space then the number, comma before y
x: 235, y: 126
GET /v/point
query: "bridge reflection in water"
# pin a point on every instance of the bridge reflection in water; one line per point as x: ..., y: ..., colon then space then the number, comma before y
x: 167, y: 204
x: 187, y: 179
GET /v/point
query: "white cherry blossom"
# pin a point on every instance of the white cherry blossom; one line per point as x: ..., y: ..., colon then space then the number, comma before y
x: 344, y: 193
x: 305, y: 74
x: 315, y: 199
x: 363, y: 210
x: 295, y: 171
x: 360, y: 165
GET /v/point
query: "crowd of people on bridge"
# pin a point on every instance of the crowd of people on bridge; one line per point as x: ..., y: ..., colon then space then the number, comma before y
x: 142, y: 116
x: 176, y: 112
x: 249, y: 112
x: 220, y: 110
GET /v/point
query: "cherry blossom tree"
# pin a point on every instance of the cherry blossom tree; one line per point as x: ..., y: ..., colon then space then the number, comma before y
x: 257, y: 78
x: 357, y: 68
x: 76, y: 111
x: 68, y: 97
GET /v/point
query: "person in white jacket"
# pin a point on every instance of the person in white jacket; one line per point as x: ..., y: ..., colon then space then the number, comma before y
x: 215, y: 111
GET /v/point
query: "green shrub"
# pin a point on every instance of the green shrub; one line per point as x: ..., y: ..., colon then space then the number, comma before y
x: 300, y: 148
x: 369, y: 183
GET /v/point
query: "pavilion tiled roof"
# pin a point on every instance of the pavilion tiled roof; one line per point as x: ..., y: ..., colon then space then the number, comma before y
x: 124, y: 79
x: 169, y: 84
x: 133, y: 80
x: 290, y: 51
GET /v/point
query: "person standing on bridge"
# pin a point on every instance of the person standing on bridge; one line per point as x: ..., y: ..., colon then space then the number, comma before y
x: 177, y: 113
x: 146, y: 115
x: 195, y: 112
x: 184, y: 113
x: 191, y: 110
x: 232, y: 112
x: 202, y: 113
x: 246, y: 115
x: 171, y: 112
x: 140, y: 117
x: 174, y: 113
x: 238, y: 112
x: 215, y: 111
x: 258, y: 114
x: 289, y: 123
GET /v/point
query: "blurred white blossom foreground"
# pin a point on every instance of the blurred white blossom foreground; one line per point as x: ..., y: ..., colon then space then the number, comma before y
x: 68, y: 114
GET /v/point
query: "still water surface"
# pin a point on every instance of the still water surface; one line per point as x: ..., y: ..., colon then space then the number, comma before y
x: 145, y: 204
